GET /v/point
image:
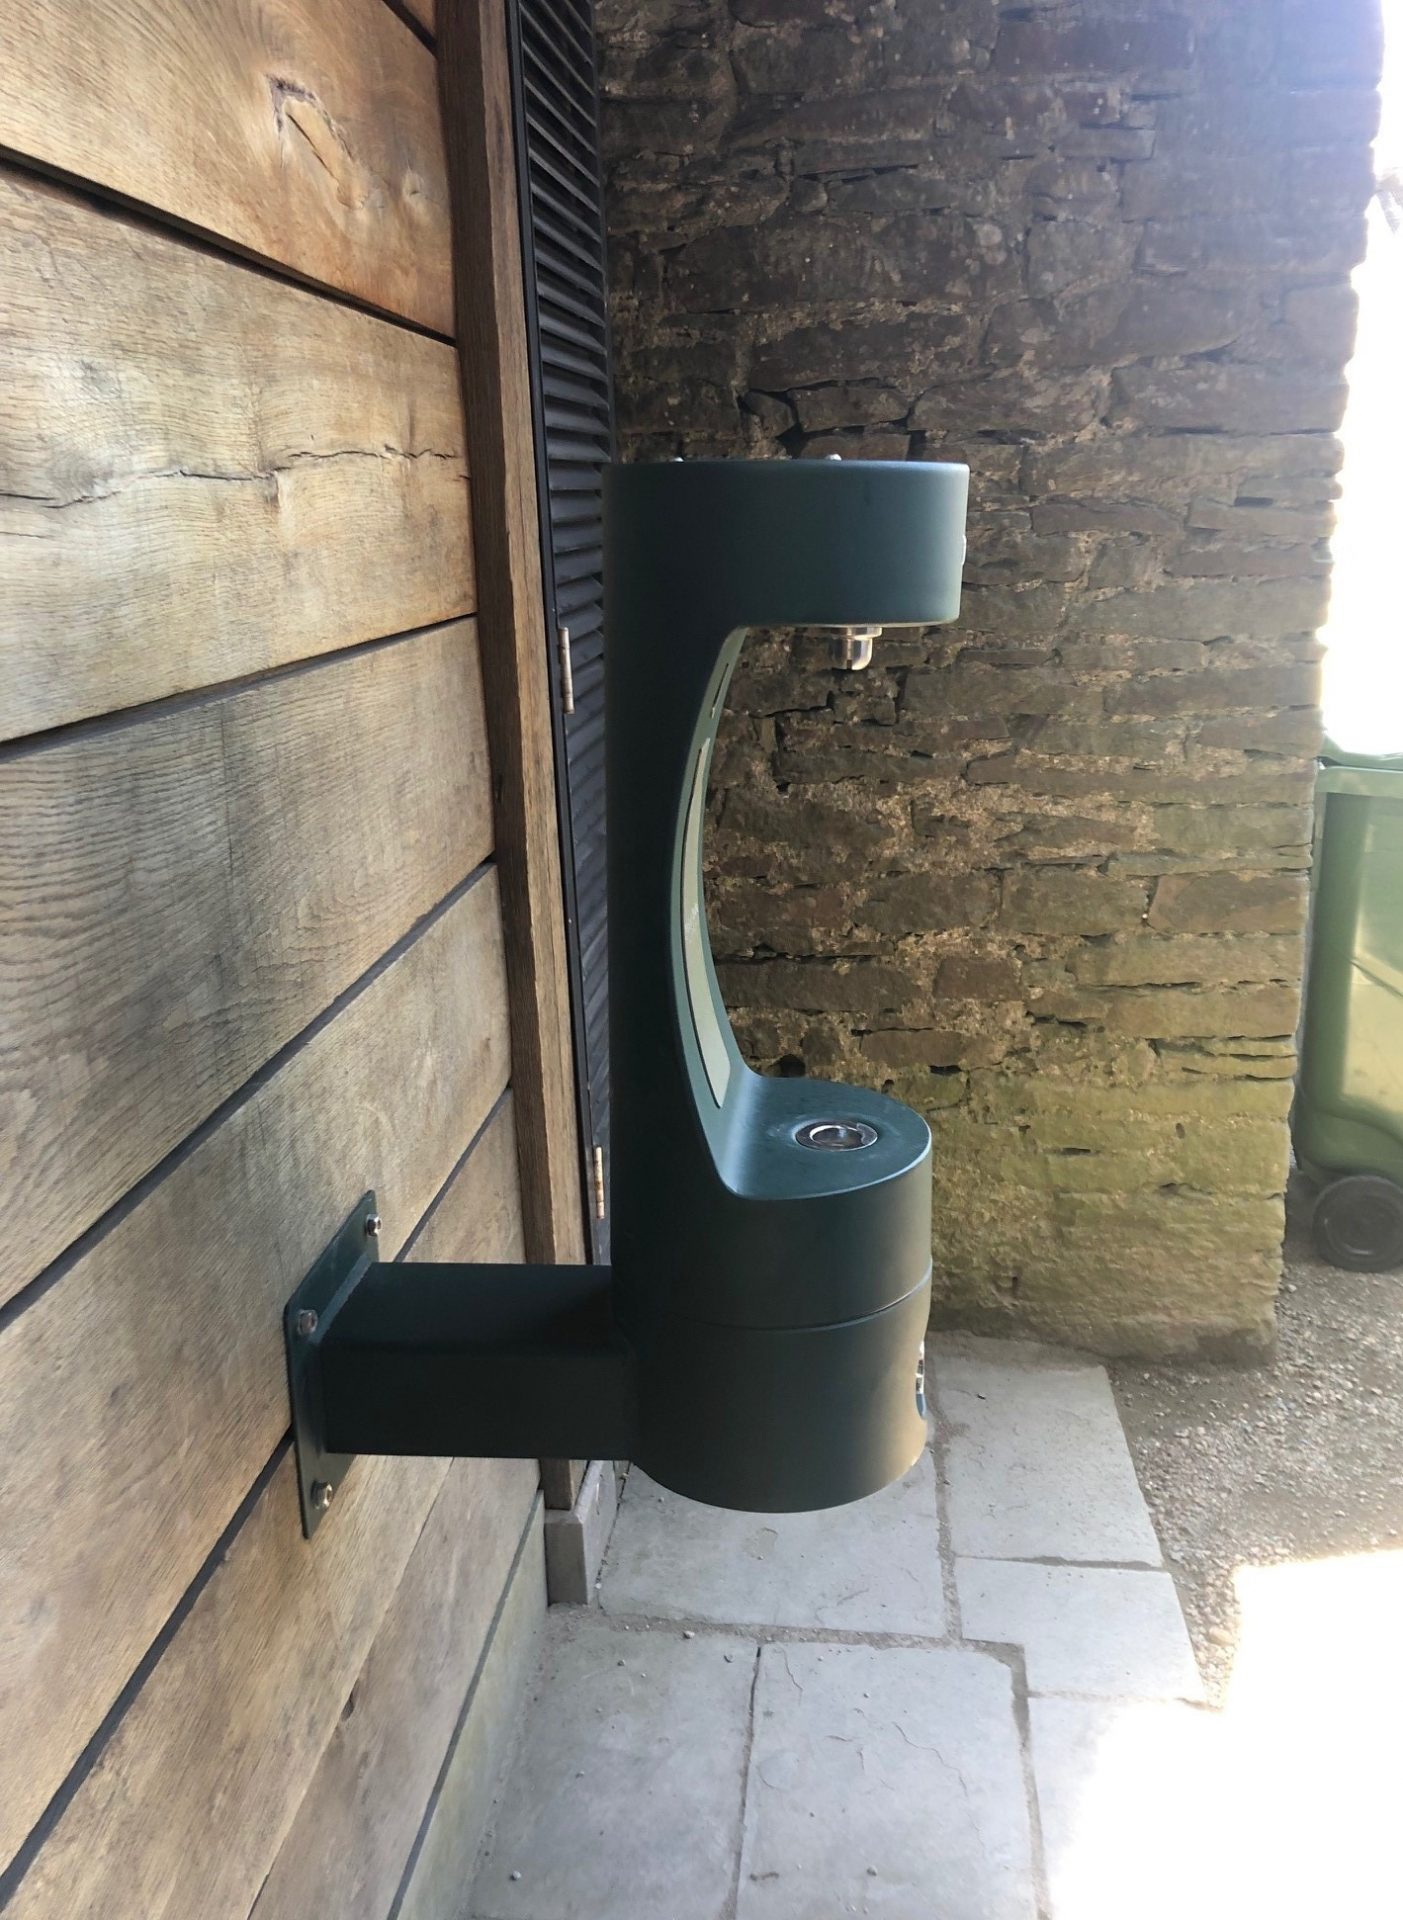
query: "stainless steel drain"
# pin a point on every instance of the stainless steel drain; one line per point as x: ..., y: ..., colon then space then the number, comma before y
x: 835, y: 1136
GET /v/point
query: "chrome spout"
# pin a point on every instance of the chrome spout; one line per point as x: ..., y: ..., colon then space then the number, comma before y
x: 852, y: 647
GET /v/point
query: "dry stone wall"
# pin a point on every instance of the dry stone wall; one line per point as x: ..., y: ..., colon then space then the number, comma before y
x: 1042, y: 873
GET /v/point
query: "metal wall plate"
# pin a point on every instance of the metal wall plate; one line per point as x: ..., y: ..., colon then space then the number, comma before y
x: 340, y: 1267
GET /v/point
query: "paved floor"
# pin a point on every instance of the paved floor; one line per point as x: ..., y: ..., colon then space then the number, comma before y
x: 960, y: 1700
x: 1297, y: 1461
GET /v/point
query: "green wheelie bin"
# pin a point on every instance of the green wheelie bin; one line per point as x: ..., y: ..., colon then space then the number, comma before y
x: 1347, y: 1121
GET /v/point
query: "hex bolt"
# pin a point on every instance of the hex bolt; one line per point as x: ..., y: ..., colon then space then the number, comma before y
x: 372, y: 1225
x: 323, y: 1493
x: 305, y: 1325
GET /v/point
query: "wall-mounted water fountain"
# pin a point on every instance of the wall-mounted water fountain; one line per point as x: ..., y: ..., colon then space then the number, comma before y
x: 757, y: 1341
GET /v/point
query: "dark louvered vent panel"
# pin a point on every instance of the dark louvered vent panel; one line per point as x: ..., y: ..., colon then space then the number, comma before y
x: 563, y: 240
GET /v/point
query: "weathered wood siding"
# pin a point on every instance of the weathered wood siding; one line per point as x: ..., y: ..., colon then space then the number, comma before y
x: 257, y: 953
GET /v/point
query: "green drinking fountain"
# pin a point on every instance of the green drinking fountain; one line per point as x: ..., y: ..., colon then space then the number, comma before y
x: 757, y: 1341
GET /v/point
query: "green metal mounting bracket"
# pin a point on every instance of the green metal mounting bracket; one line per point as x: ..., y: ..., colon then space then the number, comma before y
x: 449, y: 1359
x: 343, y: 1263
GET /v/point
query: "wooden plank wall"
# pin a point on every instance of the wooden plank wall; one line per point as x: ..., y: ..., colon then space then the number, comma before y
x: 256, y: 937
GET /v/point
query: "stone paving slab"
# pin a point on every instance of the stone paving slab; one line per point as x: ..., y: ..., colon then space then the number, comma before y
x: 624, y: 1800
x: 1087, y: 1630
x: 1036, y: 1461
x: 872, y: 1567
x: 884, y: 1781
x: 1135, y: 1805
x: 670, y: 1771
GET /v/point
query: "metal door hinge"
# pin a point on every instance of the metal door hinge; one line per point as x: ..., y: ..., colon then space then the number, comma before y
x: 567, y: 672
x: 599, y: 1183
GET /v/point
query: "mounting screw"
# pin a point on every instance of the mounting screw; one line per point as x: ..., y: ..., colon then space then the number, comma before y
x: 305, y: 1325
x: 372, y: 1225
x: 323, y: 1493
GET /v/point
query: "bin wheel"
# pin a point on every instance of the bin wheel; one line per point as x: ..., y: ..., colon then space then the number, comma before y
x: 1357, y: 1223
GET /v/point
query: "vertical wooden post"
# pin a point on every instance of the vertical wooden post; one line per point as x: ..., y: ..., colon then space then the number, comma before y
x: 492, y: 340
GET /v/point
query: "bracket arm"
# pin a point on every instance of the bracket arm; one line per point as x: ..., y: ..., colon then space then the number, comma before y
x: 504, y: 1362
x: 450, y: 1360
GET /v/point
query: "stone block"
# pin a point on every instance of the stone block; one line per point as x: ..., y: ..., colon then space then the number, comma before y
x: 1247, y: 399
x: 1032, y: 1100
x: 928, y: 1092
x: 1177, y: 1249
x: 1209, y: 610
x: 1161, y: 45
x: 1051, y: 900
x: 1037, y: 1464
x: 867, y: 756
x: 820, y: 986
x: 872, y: 1567
x: 1064, y: 184
x: 835, y: 133
x: 1145, y: 741
x: 854, y: 403
x: 1119, y: 1170
x: 969, y: 976
x: 1190, y: 782
x: 861, y: 443
x: 684, y: 125
x: 903, y: 352
x: 927, y: 902
x: 1229, y: 903
x: 695, y: 196
x: 882, y: 1778
x: 1230, y: 829
x: 1183, y: 183
x: 1011, y: 400
x: 1242, y: 1157
x: 819, y: 823
x: 1230, y: 119
x: 1109, y: 143
x: 1210, y: 559
x: 647, y: 68
x: 1107, y: 1632
x: 971, y: 686
x: 1331, y: 116
x: 1088, y: 837
x: 1173, y: 1012
x: 1015, y: 552
x: 787, y: 13
x: 1104, y: 516
x: 1261, y: 523
x: 1124, y: 563
x: 1123, y: 655
x: 1220, y: 247
x: 923, y: 42
x: 833, y: 59
x: 1247, y: 689
x: 1198, y: 959
x: 938, y: 1049
x: 662, y: 401
x: 931, y: 188
x: 1068, y: 255
x: 1330, y: 184
x: 1120, y: 465
x: 1013, y: 612
x: 786, y: 920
